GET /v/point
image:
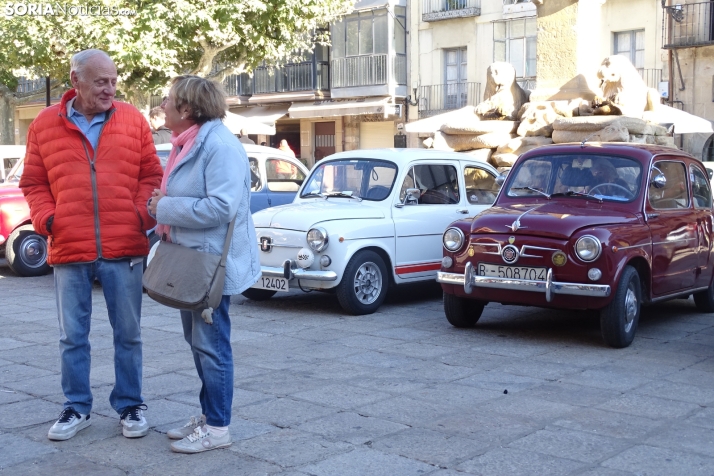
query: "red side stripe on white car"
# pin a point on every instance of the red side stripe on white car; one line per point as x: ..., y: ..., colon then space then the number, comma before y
x: 418, y: 268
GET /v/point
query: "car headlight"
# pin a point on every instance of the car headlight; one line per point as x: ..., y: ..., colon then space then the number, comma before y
x: 453, y: 239
x: 317, y: 239
x: 588, y: 248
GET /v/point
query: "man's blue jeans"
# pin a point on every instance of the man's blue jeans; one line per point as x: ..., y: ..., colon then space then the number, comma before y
x: 212, y: 353
x: 122, y: 288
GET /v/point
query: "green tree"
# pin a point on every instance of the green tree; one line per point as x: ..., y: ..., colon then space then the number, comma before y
x: 161, y: 39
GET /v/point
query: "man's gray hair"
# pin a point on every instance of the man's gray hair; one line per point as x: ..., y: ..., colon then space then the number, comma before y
x: 79, y: 60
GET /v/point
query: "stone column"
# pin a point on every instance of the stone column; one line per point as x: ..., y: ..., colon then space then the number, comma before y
x: 568, y: 51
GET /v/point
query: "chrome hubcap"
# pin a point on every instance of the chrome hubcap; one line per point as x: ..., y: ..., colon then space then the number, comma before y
x: 368, y: 283
x: 33, y: 251
x: 630, y: 307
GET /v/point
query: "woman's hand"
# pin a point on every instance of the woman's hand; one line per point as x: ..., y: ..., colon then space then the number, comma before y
x: 156, y: 195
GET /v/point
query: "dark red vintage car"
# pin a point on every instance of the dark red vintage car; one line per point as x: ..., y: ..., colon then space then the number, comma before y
x: 594, y: 226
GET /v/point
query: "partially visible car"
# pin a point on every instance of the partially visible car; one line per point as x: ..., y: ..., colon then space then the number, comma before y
x: 25, y: 250
x: 10, y: 155
x: 365, y: 220
x: 596, y: 226
x: 275, y: 176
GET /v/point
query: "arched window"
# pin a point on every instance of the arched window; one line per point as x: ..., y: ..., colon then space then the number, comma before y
x: 708, y: 152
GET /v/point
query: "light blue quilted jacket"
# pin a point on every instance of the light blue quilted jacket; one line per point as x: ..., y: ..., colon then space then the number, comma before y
x: 203, y: 193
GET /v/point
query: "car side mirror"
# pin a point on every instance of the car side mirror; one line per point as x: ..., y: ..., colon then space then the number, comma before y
x: 710, y: 173
x: 500, y: 179
x: 658, y: 181
x: 411, y: 196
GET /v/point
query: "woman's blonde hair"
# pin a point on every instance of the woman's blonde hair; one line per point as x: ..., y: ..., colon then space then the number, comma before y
x: 205, y: 99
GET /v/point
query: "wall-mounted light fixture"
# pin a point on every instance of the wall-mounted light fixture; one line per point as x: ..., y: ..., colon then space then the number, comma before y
x: 675, y: 11
x: 415, y: 101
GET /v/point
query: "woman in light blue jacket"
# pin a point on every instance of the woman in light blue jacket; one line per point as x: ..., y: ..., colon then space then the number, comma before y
x: 206, y: 183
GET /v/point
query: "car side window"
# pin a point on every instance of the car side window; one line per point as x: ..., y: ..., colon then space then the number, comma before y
x: 481, y: 186
x: 283, y: 176
x: 701, y: 190
x: 438, y: 184
x: 255, y: 180
x: 675, y: 193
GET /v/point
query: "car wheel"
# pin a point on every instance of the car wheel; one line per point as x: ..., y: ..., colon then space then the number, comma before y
x: 364, y: 283
x: 258, y: 294
x: 461, y: 312
x: 704, y: 300
x: 26, y: 252
x: 619, y: 319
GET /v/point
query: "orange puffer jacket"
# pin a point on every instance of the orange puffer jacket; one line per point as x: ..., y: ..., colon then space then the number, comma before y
x: 98, y: 200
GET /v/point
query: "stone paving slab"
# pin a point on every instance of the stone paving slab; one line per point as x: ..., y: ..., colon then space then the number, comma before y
x: 399, y: 392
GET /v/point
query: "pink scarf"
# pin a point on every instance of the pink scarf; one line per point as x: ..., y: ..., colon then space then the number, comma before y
x: 184, y: 140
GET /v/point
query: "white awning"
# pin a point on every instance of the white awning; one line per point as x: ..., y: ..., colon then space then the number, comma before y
x: 369, y: 4
x: 235, y: 123
x: 265, y: 114
x: 432, y: 124
x: 333, y: 108
x: 684, y: 123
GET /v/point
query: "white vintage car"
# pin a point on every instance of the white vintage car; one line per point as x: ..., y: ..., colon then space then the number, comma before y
x: 367, y: 219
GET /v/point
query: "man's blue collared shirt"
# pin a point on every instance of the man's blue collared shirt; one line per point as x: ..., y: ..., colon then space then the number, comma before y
x: 89, y: 129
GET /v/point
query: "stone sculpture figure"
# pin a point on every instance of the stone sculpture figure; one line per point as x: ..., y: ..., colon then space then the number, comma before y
x: 624, y: 91
x: 502, y: 97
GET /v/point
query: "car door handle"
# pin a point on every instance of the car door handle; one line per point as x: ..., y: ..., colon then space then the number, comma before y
x: 652, y: 215
x: 463, y: 211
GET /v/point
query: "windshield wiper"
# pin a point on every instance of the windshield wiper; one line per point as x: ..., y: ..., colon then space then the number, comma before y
x: 313, y: 194
x: 341, y: 194
x: 571, y: 193
x: 533, y: 190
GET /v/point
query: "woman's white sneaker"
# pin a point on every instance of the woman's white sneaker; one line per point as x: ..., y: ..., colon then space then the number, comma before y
x: 201, y: 440
x: 134, y: 425
x: 187, y: 429
x: 68, y: 424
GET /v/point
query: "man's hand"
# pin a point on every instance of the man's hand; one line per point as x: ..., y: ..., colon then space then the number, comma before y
x: 156, y: 195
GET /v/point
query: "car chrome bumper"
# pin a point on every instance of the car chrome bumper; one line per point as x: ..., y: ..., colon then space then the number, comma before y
x: 469, y: 279
x: 290, y: 271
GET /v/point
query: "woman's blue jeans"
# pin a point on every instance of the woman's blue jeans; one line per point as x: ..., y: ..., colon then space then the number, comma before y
x: 212, y: 353
x: 122, y: 288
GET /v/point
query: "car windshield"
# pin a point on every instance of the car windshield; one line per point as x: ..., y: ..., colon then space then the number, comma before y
x: 366, y: 179
x: 595, y: 176
x: 15, y: 173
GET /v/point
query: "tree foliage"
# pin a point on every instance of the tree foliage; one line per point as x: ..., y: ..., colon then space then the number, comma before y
x: 164, y: 38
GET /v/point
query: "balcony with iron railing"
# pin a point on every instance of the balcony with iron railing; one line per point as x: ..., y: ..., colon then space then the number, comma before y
x: 292, y: 77
x: 651, y: 77
x: 686, y: 25
x: 368, y: 70
x: 435, y: 10
x: 439, y: 98
x: 25, y: 85
x: 238, y: 85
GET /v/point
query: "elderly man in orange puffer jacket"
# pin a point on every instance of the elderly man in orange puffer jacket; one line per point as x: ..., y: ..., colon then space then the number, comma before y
x: 90, y: 168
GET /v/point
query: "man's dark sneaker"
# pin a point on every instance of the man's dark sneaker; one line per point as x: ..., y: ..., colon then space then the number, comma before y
x: 68, y: 424
x: 133, y: 423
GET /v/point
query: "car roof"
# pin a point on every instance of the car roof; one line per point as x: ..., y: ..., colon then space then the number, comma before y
x: 12, y: 151
x: 249, y: 148
x: 403, y: 156
x: 643, y: 152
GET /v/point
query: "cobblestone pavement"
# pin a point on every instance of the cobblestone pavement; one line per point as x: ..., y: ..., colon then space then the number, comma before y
x: 399, y: 392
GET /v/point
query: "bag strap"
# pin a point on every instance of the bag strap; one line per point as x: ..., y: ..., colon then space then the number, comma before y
x: 229, y: 237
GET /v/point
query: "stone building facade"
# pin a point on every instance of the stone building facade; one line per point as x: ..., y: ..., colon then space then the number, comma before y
x: 556, y: 47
